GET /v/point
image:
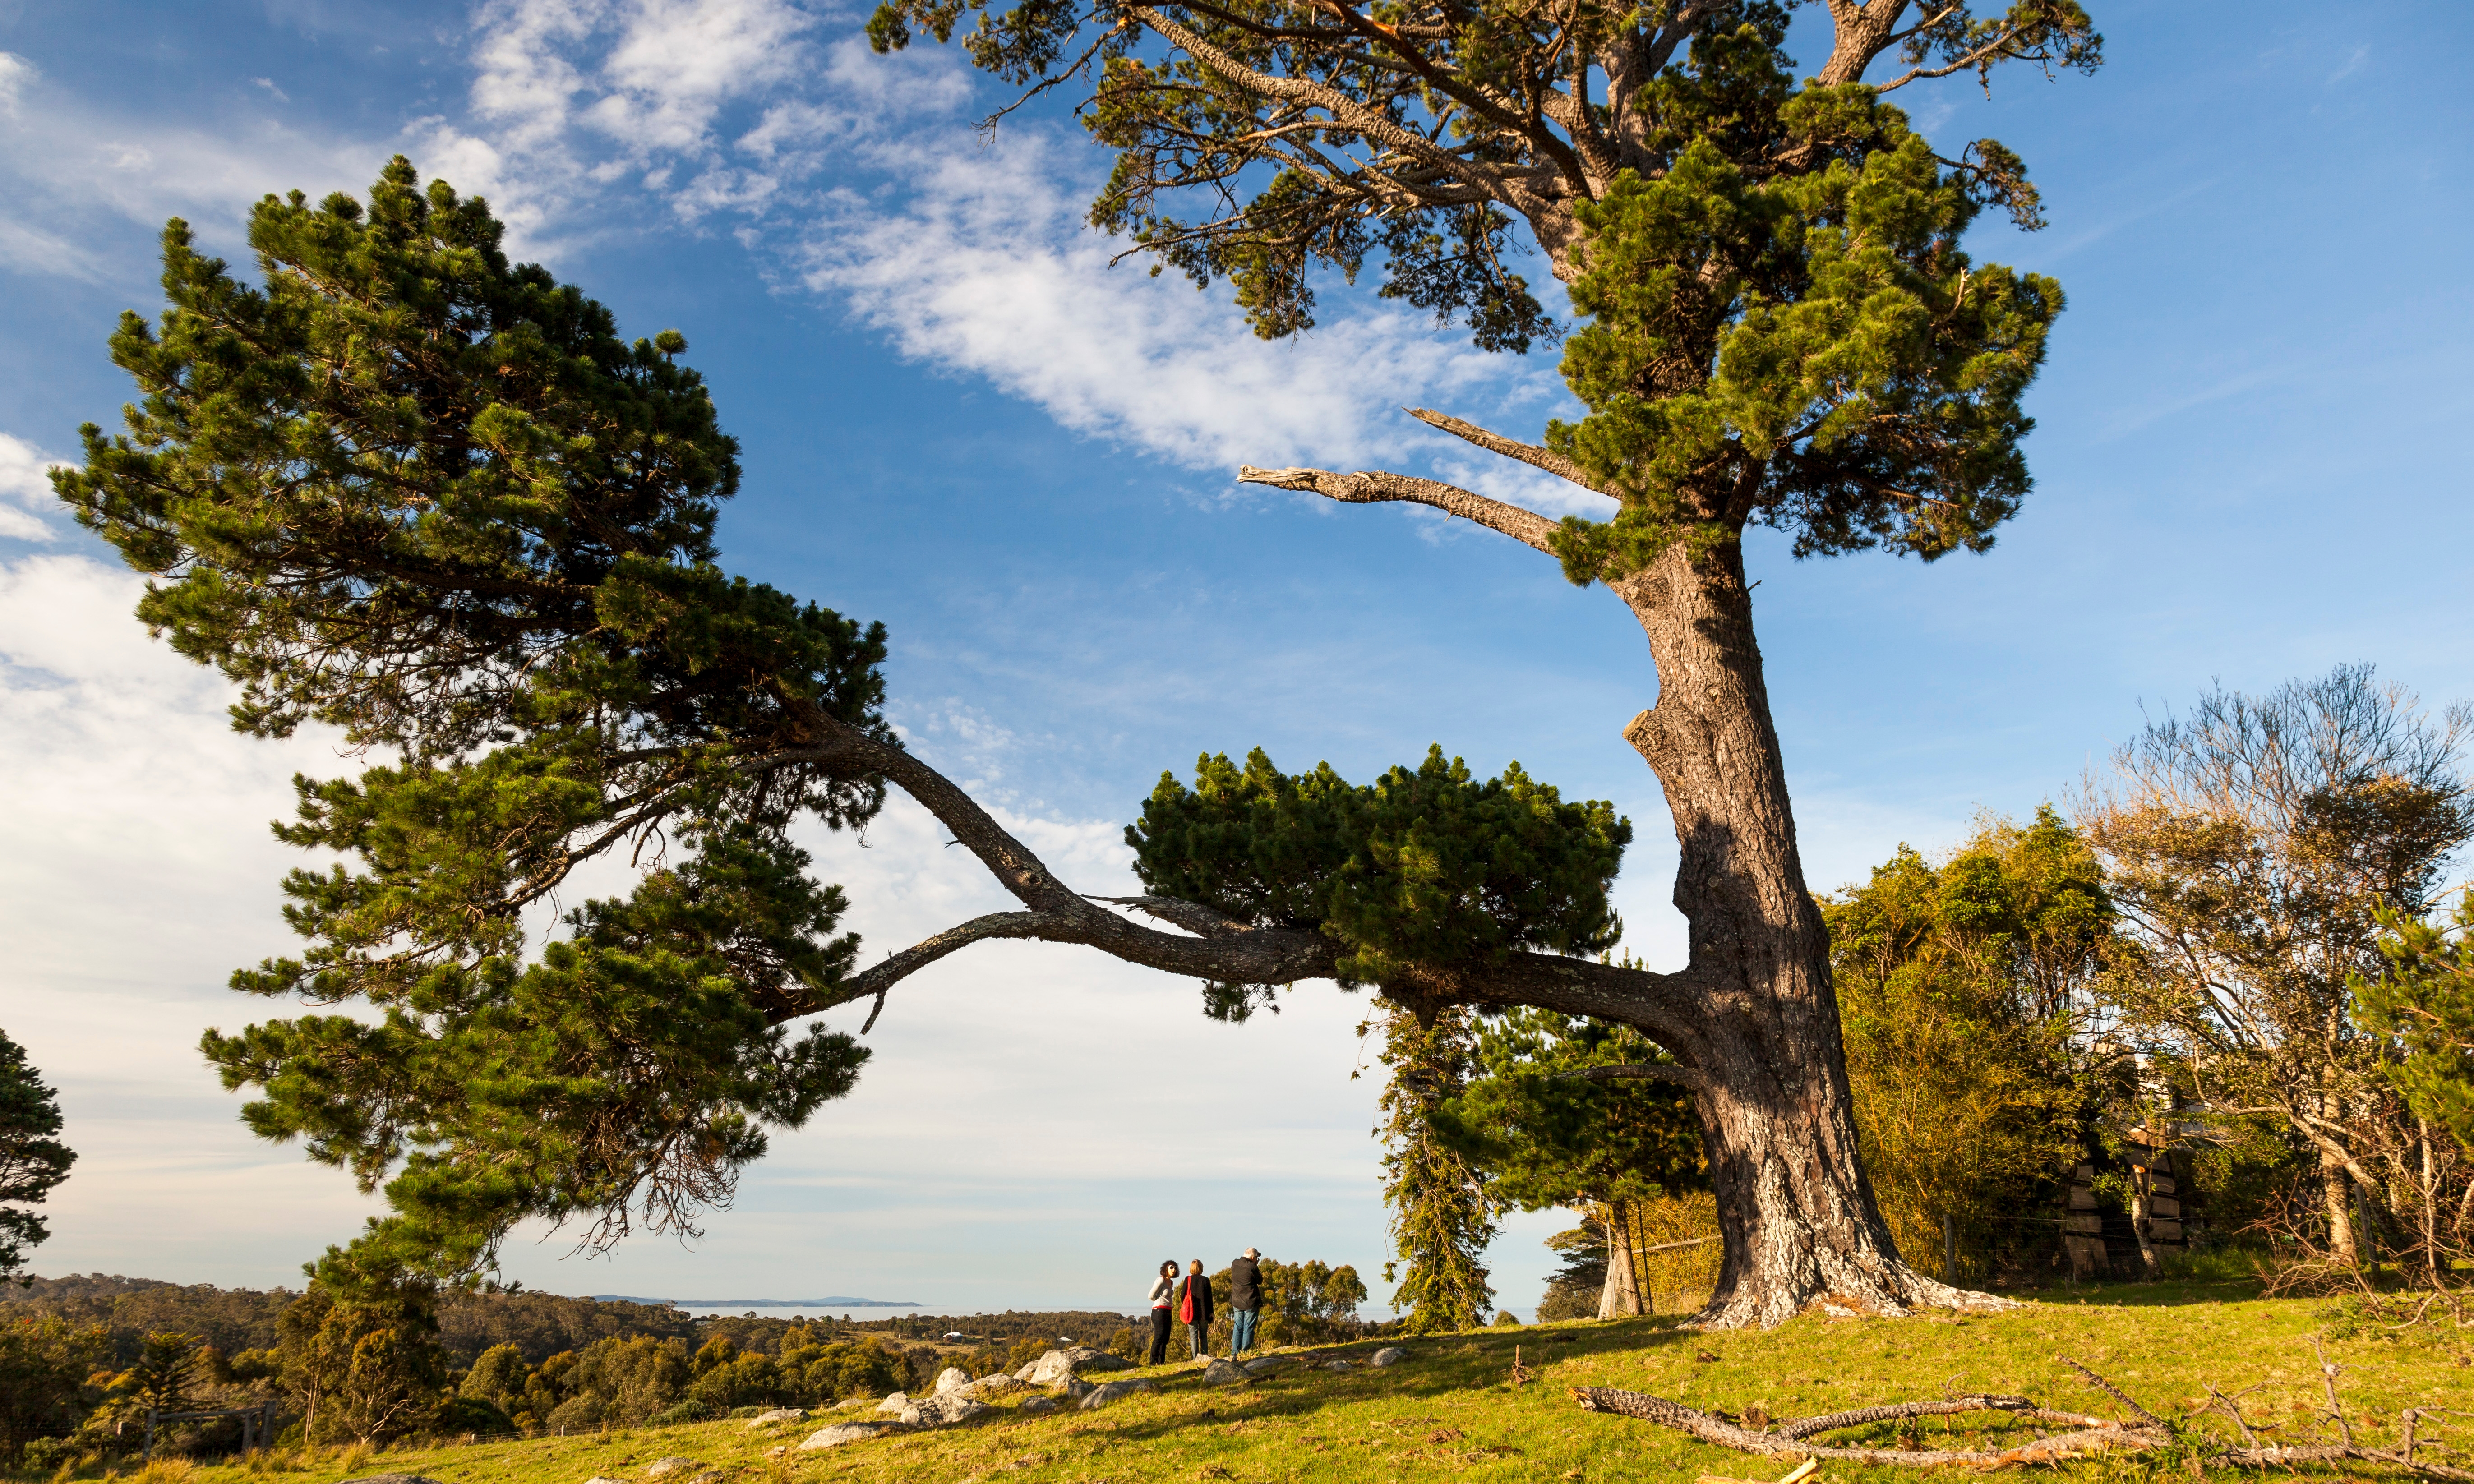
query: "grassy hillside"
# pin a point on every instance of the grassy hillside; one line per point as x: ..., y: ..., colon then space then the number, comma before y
x: 1453, y: 1412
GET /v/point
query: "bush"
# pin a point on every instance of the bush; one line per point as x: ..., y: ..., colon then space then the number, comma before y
x: 471, y: 1414
x: 1504, y: 1319
x: 688, y: 1411
x: 46, y: 1455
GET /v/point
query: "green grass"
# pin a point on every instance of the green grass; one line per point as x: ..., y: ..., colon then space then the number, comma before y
x: 1451, y: 1411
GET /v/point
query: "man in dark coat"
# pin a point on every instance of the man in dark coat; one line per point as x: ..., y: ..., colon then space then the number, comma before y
x: 1245, y: 1302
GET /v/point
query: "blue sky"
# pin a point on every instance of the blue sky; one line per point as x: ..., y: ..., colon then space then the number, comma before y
x: 956, y: 417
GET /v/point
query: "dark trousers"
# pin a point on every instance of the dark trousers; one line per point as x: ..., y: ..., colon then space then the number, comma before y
x: 1159, y: 1336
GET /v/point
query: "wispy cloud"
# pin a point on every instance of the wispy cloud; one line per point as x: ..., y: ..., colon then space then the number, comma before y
x: 2353, y: 63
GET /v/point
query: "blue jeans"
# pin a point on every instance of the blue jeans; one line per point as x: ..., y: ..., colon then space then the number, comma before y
x: 1243, y: 1340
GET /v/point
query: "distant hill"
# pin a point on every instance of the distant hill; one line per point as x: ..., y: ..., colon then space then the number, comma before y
x: 538, y: 1324
x: 765, y: 1303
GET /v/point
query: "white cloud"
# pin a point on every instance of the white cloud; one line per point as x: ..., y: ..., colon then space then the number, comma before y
x: 22, y: 480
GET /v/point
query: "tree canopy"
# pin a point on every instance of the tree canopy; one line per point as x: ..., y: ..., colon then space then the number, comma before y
x: 32, y: 1161
x: 405, y: 488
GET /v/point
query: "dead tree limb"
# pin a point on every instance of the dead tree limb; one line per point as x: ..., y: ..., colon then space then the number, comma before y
x: 2087, y: 1435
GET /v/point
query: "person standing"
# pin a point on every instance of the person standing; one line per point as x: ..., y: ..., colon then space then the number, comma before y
x: 1163, y: 1293
x: 1194, y: 1307
x: 1245, y: 1302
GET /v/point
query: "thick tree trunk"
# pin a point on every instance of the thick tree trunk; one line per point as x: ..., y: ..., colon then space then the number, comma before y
x: 1621, y: 1297
x: 1795, y: 1207
x: 2337, y: 1197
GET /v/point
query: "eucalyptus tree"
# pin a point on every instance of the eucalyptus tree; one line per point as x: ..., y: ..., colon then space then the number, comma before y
x: 1778, y: 327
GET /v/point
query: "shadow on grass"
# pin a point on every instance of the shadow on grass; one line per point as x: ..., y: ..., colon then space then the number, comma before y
x: 1439, y: 1366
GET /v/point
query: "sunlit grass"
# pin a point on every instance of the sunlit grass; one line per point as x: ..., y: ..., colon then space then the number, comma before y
x: 1452, y: 1411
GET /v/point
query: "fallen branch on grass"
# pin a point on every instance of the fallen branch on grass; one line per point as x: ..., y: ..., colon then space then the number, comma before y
x: 2086, y: 1435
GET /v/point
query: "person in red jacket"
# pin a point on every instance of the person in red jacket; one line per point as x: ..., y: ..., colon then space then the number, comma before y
x: 1194, y: 1307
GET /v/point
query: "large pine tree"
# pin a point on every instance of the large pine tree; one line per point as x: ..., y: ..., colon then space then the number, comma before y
x: 1778, y: 327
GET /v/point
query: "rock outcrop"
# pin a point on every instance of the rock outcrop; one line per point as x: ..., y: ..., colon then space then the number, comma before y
x: 1265, y: 1365
x: 1389, y: 1356
x: 943, y: 1411
x: 895, y: 1402
x: 1116, y: 1390
x: 1217, y: 1372
x: 663, y: 1467
x: 951, y: 1378
x: 840, y: 1433
x: 1049, y: 1369
x: 778, y: 1415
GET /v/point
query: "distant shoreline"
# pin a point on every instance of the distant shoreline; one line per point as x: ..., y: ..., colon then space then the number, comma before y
x: 762, y: 1303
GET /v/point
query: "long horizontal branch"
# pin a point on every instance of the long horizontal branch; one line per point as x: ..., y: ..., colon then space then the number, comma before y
x: 1369, y: 487
x: 1212, y: 947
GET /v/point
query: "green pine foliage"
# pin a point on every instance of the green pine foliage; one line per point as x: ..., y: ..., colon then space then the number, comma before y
x: 1781, y: 326
x: 2422, y: 1006
x: 1548, y: 1135
x: 32, y: 1161
x: 1442, y: 1214
x: 401, y: 487
x: 1423, y: 865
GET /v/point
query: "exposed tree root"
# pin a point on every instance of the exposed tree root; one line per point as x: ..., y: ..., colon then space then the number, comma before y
x: 2085, y: 1435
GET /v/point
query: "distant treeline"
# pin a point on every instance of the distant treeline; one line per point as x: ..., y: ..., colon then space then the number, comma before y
x: 537, y: 1325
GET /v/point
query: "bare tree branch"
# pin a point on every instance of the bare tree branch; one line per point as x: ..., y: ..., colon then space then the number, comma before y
x: 1367, y: 487
x: 1529, y: 453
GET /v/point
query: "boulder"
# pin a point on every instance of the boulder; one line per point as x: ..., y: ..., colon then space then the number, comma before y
x: 1389, y: 1356
x: 943, y: 1411
x: 950, y: 1377
x: 1116, y: 1390
x: 778, y: 1415
x: 1038, y: 1404
x: 895, y: 1402
x: 662, y: 1467
x: 1024, y: 1374
x: 1049, y: 1369
x: 996, y: 1385
x: 850, y: 1403
x: 1217, y: 1372
x: 1264, y: 1365
x: 847, y: 1432
x: 1342, y: 1365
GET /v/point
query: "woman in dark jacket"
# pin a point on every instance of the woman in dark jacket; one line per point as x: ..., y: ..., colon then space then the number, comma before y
x: 1194, y: 1307
x: 1163, y: 1293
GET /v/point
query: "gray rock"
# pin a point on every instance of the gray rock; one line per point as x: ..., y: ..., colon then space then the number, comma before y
x: 418, y: 1478
x: 895, y: 1402
x: 850, y: 1403
x: 1116, y: 1390
x: 847, y: 1432
x: 989, y: 1386
x: 1217, y: 1372
x: 950, y: 1377
x: 943, y: 1411
x: 1073, y: 1387
x: 1264, y: 1365
x: 661, y: 1468
x: 1389, y: 1356
x: 1338, y: 1365
x: 1038, y: 1404
x: 778, y: 1415
x: 1056, y: 1364
x: 1024, y: 1374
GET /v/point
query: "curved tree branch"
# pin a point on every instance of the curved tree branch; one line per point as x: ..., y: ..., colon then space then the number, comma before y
x: 1369, y: 487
